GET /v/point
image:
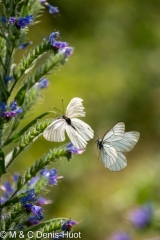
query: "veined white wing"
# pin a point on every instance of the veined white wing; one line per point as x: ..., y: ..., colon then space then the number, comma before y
x: 55, y: 132
x: 121, y: 163
x: 78, y: 131
x: 75, y: 137
x: 120, y: 141
x: 83, y: 129
x: 115, y: 133
x: 75, y: 108
x: 108, y: 155
x: 127, y: 143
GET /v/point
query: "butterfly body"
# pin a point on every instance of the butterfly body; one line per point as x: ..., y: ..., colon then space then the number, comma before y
x: 99, y: 144
x: 68, y: 121
x: 78, y: 131
x: 113, y: 143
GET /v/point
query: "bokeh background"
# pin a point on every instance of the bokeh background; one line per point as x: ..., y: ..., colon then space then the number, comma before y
x: 115, y: 69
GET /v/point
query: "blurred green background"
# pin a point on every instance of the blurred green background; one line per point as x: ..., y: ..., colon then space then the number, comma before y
x: 115, y: 69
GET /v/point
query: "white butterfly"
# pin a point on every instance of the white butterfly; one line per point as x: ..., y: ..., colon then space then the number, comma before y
x: 78, y: 131
x: 113, y: 143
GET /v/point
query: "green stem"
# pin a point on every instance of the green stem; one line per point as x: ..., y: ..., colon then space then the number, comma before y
x: 47, y: 159
x: 13, y: 86
x: 5, y: 93
x: 3, y: 33
x: 2, y: 64
x: 8, y: 62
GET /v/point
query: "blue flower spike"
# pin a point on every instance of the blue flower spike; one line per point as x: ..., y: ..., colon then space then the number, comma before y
x: 67, y: 226
x: 120, y: 236
x: 21, y: 22
x: 141, y: 217
x: 43, y: 83
x: 30, y: 196
x: 24, y: 45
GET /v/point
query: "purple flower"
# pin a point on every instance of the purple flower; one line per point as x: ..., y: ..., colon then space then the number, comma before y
x: 19, y: 110
x: 120, y: 236
x: 43, y: 83
x: 8, y: 191
x: 51, y: 175
x: 67, y: 226
x: 24, y: 45
x: 3, y: 107
x: 73, y: 149
x: 52, y: 10
x: 43, y: 201
x: 67, y: 51
x: 36, y: 210
x: 10, y: 112
x: 3, y: 200
x: 59, y: 45
x: 141, y: 217
x: 12, y: 20
x: 29, y: 18
x: 45, y: 173
x: 32, y: 220
x: 8, y: 187
x: 15, y: 177
x: 21, y: 22
x: 52, y: 180
x: 8, y: 115
x: 33, y: 181
x: 13, y: 105
x: 30, y: 196
x: 52, y: 37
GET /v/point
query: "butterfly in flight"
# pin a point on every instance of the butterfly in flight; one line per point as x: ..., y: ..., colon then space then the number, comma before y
x: 113, y: 143
x: 78, y: 131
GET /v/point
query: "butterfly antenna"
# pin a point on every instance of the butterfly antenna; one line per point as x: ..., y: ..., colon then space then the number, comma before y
x: 63, y: 105
x: 97, y: 135
x: 57, y: 109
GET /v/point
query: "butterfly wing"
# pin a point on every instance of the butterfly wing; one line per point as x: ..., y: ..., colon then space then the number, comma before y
x: 83, y: 129
x: 75, y: 137
x: 75, y: 108
x: 127, y: 143
x: 120, y: 142
x: 108, y: 155
x: 121, y: 163
x: 114, y: 134
x: 79, y: 133
x: 55, y: 132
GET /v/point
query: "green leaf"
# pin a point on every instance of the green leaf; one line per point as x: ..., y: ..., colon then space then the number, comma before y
x: 2, y: 163
x: 17, y: 136
x: 27, y: 63
x: 21, y: 95
x: 51, y: 157
x: 47, y: 226
x: 28, y: 138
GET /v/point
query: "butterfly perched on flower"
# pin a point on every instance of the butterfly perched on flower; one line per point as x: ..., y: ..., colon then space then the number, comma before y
x: 78, y: 131
x: 113, y: 143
